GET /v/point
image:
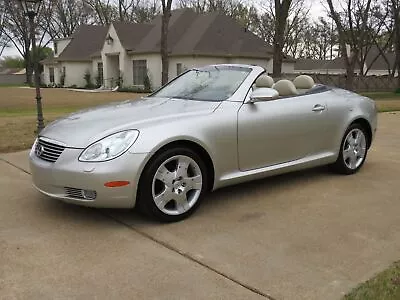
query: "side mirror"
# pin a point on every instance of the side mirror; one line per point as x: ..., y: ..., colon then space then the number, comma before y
x: 263, y: 94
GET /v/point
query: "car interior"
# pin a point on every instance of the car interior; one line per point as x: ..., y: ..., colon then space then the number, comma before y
x: 302, y: 84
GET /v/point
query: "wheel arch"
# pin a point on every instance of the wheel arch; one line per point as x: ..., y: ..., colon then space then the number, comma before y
x: 366, y: 125
x: 194, y: 146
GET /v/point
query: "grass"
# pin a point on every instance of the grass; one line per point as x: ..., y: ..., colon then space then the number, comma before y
x: 382, y: 95
x: 18, y: 111
x: 384, y: 286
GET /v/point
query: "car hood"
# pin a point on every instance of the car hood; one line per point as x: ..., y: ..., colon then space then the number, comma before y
x: 80, y: 129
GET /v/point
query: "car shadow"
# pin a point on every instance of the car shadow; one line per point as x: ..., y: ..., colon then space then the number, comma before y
x: 220, y: 200
x: 216, y: 202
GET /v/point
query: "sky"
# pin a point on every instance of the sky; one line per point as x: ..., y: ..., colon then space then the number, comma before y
x: 316, y: 10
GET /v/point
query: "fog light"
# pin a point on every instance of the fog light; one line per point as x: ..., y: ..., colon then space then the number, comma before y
x: 89, y: 195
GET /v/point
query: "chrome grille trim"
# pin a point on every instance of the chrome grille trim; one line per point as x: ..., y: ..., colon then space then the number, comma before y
x: 47, y: 150
x: 78, y: 193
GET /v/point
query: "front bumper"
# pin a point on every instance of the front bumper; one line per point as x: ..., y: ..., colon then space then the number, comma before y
x: 52, y: 179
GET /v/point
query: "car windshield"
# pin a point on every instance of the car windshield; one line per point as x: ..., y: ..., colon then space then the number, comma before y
x: 214, y: 83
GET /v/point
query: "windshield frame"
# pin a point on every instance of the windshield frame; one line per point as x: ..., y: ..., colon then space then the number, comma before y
x: 206, y: 68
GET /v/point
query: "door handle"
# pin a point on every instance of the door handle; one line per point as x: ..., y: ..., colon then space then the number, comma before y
x: 318, y: 107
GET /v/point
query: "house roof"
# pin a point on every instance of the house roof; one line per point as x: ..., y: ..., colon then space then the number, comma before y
x: 381, y: 62
x: 309, y: 64
x: 85, y: 42
x: 203, y: 34
x: 190, y: 33
x: 130, y: 34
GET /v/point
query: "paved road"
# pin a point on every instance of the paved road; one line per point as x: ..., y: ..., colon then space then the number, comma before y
x: 306, y: 235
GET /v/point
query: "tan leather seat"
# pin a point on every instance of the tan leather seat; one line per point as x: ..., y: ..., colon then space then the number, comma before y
x: 264, y: 81
x: 285, y: 88
x: 303, y: 83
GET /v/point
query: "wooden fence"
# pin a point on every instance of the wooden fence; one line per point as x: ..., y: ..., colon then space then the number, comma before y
x: 371, y: 83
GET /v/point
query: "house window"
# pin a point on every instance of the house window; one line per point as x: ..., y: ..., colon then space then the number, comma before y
x: 51, y: 74
x: 139, y: 71
x: 100, y: 72
x: 55, y: 48
x: 178, y: 69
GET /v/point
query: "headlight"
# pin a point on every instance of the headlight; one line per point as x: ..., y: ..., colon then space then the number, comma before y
x: 109, y: 147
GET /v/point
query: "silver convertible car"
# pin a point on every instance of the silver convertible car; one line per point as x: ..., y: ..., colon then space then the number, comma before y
x: 208, y: 128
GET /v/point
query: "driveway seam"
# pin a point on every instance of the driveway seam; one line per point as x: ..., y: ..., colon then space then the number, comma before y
x: 15, y: 166
x: 191, y: 258
x: 170, y: 247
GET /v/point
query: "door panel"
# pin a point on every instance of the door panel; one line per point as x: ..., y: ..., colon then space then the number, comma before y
x: 282, y: 130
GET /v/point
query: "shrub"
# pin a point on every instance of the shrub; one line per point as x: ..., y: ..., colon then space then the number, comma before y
x: 147, y: 83
x: 98, y: 81
x: 88, y: 79
x: 62, y: 79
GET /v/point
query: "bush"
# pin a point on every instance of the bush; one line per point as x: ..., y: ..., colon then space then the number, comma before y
x: 397, y: 91
x: 98, y: 81
x: 88, y: 79
x: 147, y: 83
x: 62, y: 80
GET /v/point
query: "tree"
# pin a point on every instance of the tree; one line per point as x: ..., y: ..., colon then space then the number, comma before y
x: 352, y: 25
x: 166, y: 14
x: 4, y: 40
x: 281, y: 16
x: 12, y: 62
x: 395, y: 8
x: 63, y: 17
x: 103, y: 11
x: 138, y: 11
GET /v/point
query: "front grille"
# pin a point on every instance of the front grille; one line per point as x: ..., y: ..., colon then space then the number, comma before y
x: 79, y: 193
x: 47, y: 150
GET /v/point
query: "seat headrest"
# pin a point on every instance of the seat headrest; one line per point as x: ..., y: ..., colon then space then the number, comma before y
x: 264, y: 81
x: 285, y: 87
x: 303, y: 82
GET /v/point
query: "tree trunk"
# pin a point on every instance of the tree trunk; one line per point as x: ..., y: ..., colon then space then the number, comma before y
x: 281, y: 15
x: 164, y: 47
x: 28, y: 69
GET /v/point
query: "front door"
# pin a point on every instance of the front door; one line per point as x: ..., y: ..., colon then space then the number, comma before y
x: 281, y: 130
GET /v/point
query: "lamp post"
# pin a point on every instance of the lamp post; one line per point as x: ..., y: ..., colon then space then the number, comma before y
x: 31, y: 9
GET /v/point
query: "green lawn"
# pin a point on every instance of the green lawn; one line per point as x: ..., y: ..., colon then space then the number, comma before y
x: 382, y: 95
x: 384, y: 286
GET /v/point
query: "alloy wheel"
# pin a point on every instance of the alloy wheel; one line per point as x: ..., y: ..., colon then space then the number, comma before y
x: 177, y: 185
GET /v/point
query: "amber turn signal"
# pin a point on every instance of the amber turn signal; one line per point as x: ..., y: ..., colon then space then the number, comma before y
x: 116, y: 183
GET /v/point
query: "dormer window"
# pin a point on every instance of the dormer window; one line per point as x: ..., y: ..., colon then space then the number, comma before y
x: 55, y: 48
x: 109, y: 39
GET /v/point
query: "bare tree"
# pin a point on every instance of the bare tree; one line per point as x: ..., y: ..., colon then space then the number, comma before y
x: 138, y: 11
x: 166, y: 14
x: 352, y: 24
x: 104, y: 11
x: 63, y: 17
x: 395, y: 9
x: 17, y: 31
x: 281, y: 16
x: 4, y: 40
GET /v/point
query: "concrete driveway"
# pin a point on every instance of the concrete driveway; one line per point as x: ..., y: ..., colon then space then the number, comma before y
x: 306, y: 235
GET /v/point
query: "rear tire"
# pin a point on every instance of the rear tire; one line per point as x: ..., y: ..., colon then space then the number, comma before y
x: 353, y: 150
x: 172, y: 185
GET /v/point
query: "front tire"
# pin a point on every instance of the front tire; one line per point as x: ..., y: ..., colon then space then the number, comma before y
x: 353, y: 150
x: 172, y: 185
